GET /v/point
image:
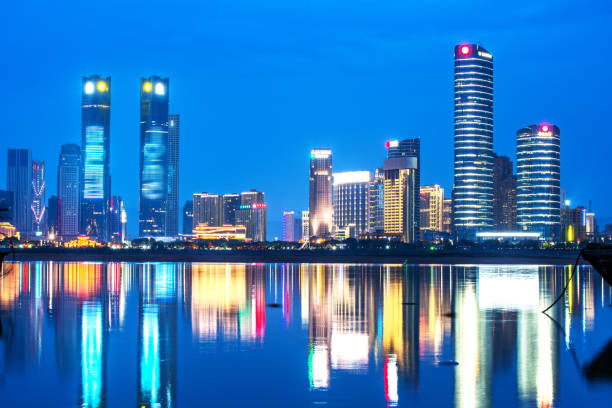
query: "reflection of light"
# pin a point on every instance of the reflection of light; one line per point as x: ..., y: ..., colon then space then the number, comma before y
x: 515, y: 288
x: 91, y: 354
x: 349, y: 350
x: 318, y: 371
x: 164, y: 282
x: 390, y: 373
x: 149, y: 363
x: 468, y: 375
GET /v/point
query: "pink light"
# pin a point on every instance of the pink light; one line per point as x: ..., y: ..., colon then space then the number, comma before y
x: 387, y: 144
x: 465, y: 49
x: 545, y: 128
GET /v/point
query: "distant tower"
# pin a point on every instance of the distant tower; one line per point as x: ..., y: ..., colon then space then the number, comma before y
x: 473, y: 189
x: 38, y: 207
x: 409, y: 148
x: 95, y: 157
x: 351, y: 201
x: 538, y: 196
x: 68, y: 188
x: 252, y: 215
x: 504, y: 194
x: 320, y: 195
x: 288, y: 228
x: 188, y: 217
x: 54, y: 214
x: 19, y: 181
x: 153, y: 156
x: 174, y: 130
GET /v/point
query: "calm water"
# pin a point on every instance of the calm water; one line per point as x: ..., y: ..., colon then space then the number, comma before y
x: 168, y: 334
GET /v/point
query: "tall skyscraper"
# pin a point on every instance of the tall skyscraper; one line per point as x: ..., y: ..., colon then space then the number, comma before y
x: 188, y: 217
x: 95, y: 157
x: 432, y: 208
x: 351, y: 201
x: 174, y: 132
x: 400, y: 207
x: 207, y: 209
x: 54, y: 216
x: 38, y: 207
x: 154, y: 184
x: 377, y: 202
x: 19, y: 181
x: 538, y: 195
x: 473, y: 188
x: 409, y: 148
x: 320, y: 207
x: 504, y: 194
x: 231, y: 204
x: 68, y: 190
x: 288, y: 228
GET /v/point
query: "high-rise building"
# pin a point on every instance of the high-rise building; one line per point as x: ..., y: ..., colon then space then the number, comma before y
x: 409, y: 148
x: 377, y: 203
x: 6, y: 206
x: 174, y: 137
x: 573, y: 224
x: 297, y: 229
x: 504, y: 194
x: 207, y: 209
x: 68, y: 190
x: 38, y: 207
x: 288, y: 228
x: 432, y: 208
x: 231, y: 204
x: 188, y: 217
x: 54, y: 216
x: 591, y: 229
x: 154, y: 184
x: 19, y: 181
x: 252, y: 215
x: 320, y: 207
x: 400, y: 208
x: 473, y: 188
x: 538, y: 196
x: 95, y: 157
x: 305, y: 226
x: 351, y: 200
x: 117, y: 219
x: 447, y: 216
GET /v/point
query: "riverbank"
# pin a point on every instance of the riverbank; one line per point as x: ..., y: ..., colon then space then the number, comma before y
x: 447, y: 257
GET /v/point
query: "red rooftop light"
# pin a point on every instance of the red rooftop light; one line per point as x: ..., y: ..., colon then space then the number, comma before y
x: 545, y: 128
x: 387, y: 144
x: 465, y: 50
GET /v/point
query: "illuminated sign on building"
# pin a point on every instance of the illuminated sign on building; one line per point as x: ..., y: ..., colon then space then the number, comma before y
x: 94, y: 162
x: 153, y: 168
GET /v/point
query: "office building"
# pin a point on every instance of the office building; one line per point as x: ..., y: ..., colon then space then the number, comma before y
x: 118, y: 219
x: 231, y: 204
x: 207, y: 209
x: 18, y: 182
x: 68, y: 190
x: 447, y: 216
x: 504, y: 194
x: 591, y: 229
x: 38, y: 206
x: 432, y: 208
x: 305, y: 226
x: 473, y: 184
x: 400, y: 208
x: 252, y: 215
x: 538, y: 196
x: 377, y: 203
x: 95, y: 157
x: 153, y: 156
x: 288, y: 227
x: 54, y: 216
x: 320, y: 193
x: 188, y: 217
x: 409, y: 148
x: 351, y: 201
x: 172, y: 212
x: 573, y: 224
x: 297, y: 229
x: 6, y: 206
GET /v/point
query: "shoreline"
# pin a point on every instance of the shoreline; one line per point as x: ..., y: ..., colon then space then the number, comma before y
x: 522, y: 257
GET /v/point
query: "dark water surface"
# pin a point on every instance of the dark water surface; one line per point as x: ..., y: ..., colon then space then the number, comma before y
x: 276, y: 335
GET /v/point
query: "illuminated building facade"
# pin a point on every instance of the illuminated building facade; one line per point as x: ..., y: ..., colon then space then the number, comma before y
x: 409, y: 148
x: 538, y: 196
x: 153, y: 156
x: 118, y: 219
x: 68, y: 190
x: 207, y: 209
x: 377, y: 202
x: 231, y: 204
x: 504, y: 194
x: 573, y: 224
x: 188, y: 217
x: 172, y: 215
x: 447, y: 216
x: 38, y: 207
x: 432, y: 208
x: 473, y: 185
x: 351, y: 201
x: 54, y: 214
x: 288, y: 228
x: 305, y: 226
x: 95, y: 157
x: 203, y: 231
x: 253, y: 217
x: 591, y: 229
x: 400, y: 208
x: 18, y: 182
x: 320, y: 193
x: 6, y: 206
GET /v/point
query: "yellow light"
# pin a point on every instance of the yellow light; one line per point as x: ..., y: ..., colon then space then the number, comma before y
x: 147, y: 87
x: 101, y: 86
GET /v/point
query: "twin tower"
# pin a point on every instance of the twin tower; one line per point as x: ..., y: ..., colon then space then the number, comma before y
x: 159, y: 159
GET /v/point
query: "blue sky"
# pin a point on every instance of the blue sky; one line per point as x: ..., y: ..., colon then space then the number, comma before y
x: 258, y: 84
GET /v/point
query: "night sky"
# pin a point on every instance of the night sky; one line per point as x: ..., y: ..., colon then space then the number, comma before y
x: 258, y: 84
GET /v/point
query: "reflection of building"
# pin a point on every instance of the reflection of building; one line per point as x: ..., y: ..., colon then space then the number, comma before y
x: 172, y: 215
x: 351, y: 201
x: 288, y: 228
x: 18, y: 182
x: 38, y: 207
x: 473, y: 185
x: 504, y: 194
x: 93, y: 356
x: 68, y: 190
x: 203, y: 231
x: 400, y: 209
x: 320, y: 193
x: 188, y: 217
x: 538, y: 164
x: 153, y: 156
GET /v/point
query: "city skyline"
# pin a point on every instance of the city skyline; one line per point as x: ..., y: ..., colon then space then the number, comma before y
x: 355, y: 131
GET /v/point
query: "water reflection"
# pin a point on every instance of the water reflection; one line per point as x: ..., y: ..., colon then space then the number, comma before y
x: 467, y: 336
